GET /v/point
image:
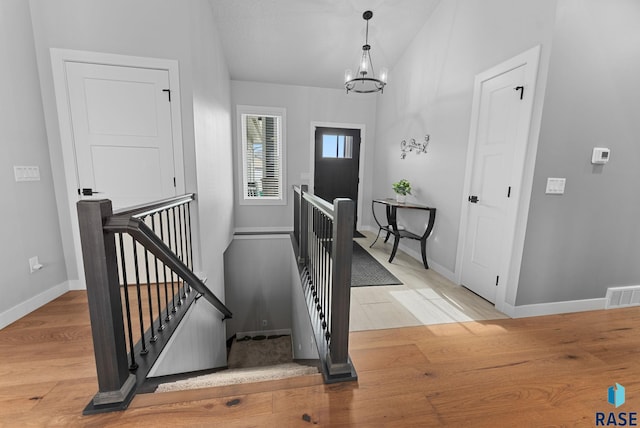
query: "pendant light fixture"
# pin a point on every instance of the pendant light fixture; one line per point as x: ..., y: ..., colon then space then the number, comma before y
x: 365, y: 80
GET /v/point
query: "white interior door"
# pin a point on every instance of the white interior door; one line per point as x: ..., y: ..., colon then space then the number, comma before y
x: 501, y: 134
x: 122, y: 136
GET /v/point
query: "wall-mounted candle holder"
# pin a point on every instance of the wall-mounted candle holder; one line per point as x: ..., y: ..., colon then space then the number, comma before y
x: 413, y: 146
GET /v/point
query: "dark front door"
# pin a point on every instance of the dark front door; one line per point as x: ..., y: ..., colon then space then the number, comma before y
x: 337, y: 164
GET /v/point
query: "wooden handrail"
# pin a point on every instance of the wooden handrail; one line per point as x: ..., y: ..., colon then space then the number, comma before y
x: 145, y: 236
x: 98, y: 230
x: 150, y: 208
x: 327, y: 288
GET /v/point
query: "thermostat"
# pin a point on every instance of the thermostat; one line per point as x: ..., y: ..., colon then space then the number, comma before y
x: 600, y: 155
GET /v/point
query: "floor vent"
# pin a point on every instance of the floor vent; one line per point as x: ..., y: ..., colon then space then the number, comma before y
x: 621, y: 297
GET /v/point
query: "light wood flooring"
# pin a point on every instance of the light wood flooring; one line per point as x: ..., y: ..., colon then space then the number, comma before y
x: 424, y: 298
x: 544, y: 371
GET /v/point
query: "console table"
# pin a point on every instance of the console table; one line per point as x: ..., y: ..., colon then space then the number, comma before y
x: 391, y: 227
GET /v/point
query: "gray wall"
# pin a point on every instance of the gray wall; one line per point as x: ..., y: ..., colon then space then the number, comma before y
x: 191, y: 348
x: 430, y: 91
x: 258, y: 282
x: 588, y: 239
x: 302, y: 337
x: 304, y: 105
x: 28, y: 218
x: 171, y: 29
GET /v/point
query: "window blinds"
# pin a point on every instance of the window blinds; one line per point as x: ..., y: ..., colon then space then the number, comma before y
x: 263, y: 162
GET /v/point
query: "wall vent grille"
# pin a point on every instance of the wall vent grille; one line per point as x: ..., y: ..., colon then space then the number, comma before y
x: 621, y: 297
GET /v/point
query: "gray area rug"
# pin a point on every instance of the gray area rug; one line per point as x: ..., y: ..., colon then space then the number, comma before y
x: 367, y: 271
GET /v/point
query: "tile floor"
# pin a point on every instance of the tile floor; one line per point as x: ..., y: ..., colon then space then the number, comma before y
x: 425, y: 297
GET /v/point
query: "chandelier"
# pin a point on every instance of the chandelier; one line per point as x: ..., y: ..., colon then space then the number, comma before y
x: 365, y: 80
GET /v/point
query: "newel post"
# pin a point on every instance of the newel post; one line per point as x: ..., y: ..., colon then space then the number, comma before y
x: 115, y: 384
x: 304, y: 226
x: 338, y: 359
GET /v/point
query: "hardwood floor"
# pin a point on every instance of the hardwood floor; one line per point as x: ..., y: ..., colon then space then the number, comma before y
x: 544, y: 371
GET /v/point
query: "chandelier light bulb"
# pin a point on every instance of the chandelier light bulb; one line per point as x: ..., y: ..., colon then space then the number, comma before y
x: 348, y: 75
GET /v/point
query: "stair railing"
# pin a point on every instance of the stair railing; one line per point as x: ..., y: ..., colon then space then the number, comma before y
x: 324, y: 237
x: 139, y: 273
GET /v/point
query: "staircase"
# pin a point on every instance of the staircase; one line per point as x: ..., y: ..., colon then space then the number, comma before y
x: 251, y: 359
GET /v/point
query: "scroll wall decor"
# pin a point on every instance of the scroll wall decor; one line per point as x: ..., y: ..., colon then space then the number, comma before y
x: 413, y: 146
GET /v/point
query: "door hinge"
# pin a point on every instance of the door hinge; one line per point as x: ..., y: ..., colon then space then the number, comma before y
x: 521, y: 89
x: 509, y: 192
x: 497, y: 279
x: 168, y: 91
x: 174, y: 182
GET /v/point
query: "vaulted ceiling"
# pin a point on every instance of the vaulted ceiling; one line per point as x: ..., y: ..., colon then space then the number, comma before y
x: 312, y: 42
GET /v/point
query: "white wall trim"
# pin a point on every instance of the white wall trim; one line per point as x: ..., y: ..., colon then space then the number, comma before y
x: 241, y: 153
x: 282, y: 331
x: 263, y: 230
x: 432, y: 265
x: 58, y: 59
x: 76, y: 284
x: 20, y: 310
x: 267, y: 235
x: 554, y: 308
x: 361, y: 165
x: 522, y: 179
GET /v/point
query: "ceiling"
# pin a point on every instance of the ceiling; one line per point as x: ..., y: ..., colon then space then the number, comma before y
x: 312, y: 42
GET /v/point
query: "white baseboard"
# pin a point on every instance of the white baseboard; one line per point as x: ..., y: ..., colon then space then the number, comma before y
x: 432, y: 265
x: 76, y: 284
x: 265, y: 235
x: 553, y: 308
x: 278, y: 332
x: 13, y: 314
x: 265, y: 230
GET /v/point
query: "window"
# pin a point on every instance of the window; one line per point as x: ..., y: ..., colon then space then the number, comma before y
x: 262, y: 132
x: 337, y: 146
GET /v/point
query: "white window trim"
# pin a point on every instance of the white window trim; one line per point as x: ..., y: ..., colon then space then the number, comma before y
x: 241, y: 151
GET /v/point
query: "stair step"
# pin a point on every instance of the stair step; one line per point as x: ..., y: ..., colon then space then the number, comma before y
x: 236, y: 376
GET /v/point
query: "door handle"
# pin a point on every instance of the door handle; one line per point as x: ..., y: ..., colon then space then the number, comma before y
x: 87, y: 192
x: 473, y: 199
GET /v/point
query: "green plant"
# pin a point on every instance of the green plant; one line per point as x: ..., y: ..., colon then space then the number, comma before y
x: 402, y: 187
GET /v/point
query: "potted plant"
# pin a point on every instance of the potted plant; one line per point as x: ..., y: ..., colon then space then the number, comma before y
x: 402, y: 189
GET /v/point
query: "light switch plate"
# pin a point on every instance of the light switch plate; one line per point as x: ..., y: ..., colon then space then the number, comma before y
x: 26, y: 173
x: 555, y: 186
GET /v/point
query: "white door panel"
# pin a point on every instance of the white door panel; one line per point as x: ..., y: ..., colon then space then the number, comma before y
x: 121, y: 121
x: 497, y: 135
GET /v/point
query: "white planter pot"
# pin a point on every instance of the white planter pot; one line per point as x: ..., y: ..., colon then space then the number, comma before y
x: 401, y: 198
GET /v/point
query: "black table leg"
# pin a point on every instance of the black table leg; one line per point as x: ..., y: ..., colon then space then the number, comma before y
x: 396, y: 241
x: 423, y: 247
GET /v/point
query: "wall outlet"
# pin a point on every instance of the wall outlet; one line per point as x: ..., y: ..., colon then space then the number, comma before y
x: 34, y: 264
x: 264, y: 323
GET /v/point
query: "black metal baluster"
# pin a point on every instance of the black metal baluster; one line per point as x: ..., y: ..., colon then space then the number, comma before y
x: 153, y: 337
x: 182, y: 258
x: 155, y: 262
x: 190, y: 248
x: 164, y: 274
x: 127, y: 306
x: 190, y: 237
x: 325, y: 261
x: 321, y: 254
x: 316, y: 273
x: 173, y: 290
x: 135, y: 264
x: 175, y: 249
